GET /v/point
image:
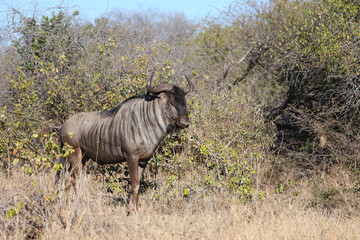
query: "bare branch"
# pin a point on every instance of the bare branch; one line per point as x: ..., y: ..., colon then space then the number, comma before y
x: 233, y: 65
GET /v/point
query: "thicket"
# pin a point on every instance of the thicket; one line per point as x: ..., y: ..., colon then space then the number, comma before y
x: 309, y: 50
x: 61, y: 67
x: 313, y: 53
x: 271, y: 81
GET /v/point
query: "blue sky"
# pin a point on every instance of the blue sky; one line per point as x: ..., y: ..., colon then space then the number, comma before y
x: 91, y: 9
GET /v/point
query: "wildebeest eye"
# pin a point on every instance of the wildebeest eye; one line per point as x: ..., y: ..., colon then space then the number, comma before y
x: 150, y: 97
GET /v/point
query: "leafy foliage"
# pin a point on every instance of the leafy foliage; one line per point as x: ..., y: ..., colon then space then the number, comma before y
x: 65, y: 67
x: 296, y: 108
x: 309, y: 48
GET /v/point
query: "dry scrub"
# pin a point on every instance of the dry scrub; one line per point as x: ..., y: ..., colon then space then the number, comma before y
x: 249, y: 166
x: 94, y: 213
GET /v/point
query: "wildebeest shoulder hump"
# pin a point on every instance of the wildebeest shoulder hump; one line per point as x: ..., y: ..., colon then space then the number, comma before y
x: 115, y: 110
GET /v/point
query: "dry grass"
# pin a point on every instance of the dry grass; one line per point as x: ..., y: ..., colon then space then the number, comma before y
x: 94, y: 213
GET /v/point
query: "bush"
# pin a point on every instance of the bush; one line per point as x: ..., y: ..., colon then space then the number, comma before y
x: 309, y: 48
x: 64, y: 67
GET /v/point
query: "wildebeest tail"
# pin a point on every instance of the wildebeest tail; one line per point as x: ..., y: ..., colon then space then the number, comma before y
x: 60, y: 174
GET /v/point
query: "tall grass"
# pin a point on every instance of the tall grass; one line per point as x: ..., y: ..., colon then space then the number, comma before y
x: 94, y: 213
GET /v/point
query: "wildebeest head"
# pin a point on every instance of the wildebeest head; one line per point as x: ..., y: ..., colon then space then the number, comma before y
x: 174, y: 96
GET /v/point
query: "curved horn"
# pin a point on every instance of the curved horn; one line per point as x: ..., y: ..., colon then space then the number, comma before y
x: 148, y: 85
x: 159, y: 89
x: 190, y: 84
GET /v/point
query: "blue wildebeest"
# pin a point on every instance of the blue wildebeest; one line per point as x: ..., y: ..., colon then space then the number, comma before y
x: 129, y: 132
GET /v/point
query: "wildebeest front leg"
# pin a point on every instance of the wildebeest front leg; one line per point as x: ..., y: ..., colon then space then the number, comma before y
x: 133, y: 162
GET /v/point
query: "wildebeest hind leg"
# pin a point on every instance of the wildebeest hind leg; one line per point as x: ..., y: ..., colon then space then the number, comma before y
x: 75, y: 168
x: 141, y: 168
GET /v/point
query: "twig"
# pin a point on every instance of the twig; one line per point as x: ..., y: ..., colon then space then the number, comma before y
x: 237, y: 63
x: 232, y: 140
